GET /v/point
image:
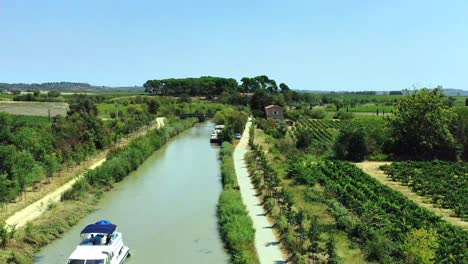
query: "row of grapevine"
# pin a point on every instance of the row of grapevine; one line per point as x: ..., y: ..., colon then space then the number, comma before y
x: 446, y: 183
x: 321, y: 130
x: 381, y: 209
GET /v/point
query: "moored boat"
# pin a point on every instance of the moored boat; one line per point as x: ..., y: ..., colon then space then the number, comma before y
x: 100, y: 244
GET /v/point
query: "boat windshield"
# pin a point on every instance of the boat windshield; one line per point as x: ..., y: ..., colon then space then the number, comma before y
x: 76, y: 261
x: 89, y: 261
x: 95, y: 261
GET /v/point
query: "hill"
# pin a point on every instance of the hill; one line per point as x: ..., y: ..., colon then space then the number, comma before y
x: 63, y: 87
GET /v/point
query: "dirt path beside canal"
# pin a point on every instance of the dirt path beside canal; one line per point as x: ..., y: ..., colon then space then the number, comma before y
x: 266, y: 243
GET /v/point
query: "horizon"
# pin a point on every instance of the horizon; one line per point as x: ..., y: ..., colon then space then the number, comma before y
x: 332, y: 46
x: 298, y: 90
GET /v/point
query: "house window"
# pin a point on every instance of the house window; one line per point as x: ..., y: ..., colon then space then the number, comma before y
x: 275, y: 112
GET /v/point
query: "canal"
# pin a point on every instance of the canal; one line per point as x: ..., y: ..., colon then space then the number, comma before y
x: 166, y: 209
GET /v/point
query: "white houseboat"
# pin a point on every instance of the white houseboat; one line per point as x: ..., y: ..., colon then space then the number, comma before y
x: 100, y: 244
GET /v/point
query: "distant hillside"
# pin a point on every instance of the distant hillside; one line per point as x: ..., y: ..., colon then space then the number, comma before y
x: 455, y: 92
x: 448, y: 91
x: 63, y: 87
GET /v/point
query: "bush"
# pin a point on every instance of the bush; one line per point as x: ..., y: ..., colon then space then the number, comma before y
x: 236, y: 227
x: 76, y: 191
x: 228, y: 172
x: 303, y: 138
x: 317, y: 113
x: 53, y: 94
x: 276, y: 129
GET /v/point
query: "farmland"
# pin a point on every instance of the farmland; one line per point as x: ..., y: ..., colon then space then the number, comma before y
x: 107, y: 110
x: 326, y: 131
x: 380, y: 210
x: 321, y: 130
x: 34, y: 108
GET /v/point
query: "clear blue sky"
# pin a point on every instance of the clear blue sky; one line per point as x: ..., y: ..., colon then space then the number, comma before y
x: 328, y: 44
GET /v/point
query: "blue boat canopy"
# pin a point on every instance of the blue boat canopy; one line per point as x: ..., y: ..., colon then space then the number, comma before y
x: 103, y: 222
x: 101, y: 227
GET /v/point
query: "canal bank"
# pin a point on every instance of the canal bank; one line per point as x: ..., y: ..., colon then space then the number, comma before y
x: 166, y: 208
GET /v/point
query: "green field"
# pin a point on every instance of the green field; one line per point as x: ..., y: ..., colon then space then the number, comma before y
x: 372, y: 108
x: 108, y: 109
x: 34, y: 108
x: 460, y: 100
x: 6, y: 96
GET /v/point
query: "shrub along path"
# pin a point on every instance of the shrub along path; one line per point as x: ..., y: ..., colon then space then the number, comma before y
x: 373, y: 169
x: 266, y: 243
x: 35, y: 209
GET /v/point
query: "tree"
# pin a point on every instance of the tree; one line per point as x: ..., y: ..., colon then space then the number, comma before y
x: 314, y: 236
x: 51, y: 165
x: 284, y: 88
x: 460, y: 131
x: 53, y: 94
x: 351, y: 143
x: 420, y: 127
x: 153, y: 106
x: 8, y: 189
x: 232, y: 118
x: 450, y: 101
x: 260, y: 99
x: 303, y: 138
x: 36, y: 93
x: 377, y: 248
x: 84, y: 105
x: 420, y: 246
x: 25, y: 170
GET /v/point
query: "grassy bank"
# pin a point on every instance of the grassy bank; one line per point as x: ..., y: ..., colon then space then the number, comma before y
x: 84, y: 195
x: 235, y: 225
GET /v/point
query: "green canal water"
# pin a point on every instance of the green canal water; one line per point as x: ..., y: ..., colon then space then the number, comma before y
x: 166, y: 209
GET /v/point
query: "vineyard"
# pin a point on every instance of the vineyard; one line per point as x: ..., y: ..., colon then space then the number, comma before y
x: 325, y: 131
x: 446, y: 183
x: 321, y: 130
x: 380, y: 210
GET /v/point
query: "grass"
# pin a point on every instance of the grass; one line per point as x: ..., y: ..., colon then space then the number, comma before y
x: 460, y: 100
x: 6, y: 96
x: 371, y: 108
